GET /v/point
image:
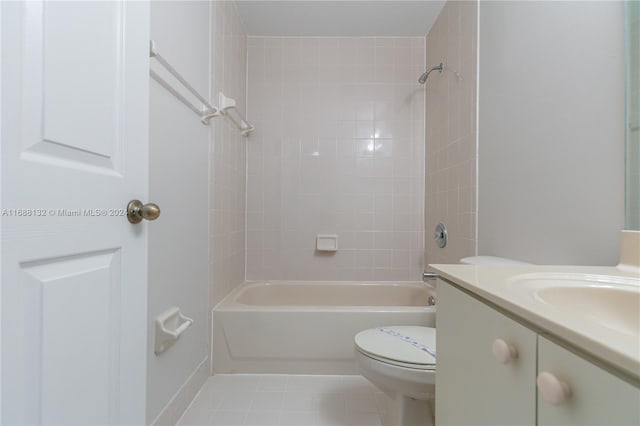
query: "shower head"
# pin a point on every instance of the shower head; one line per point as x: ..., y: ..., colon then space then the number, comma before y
x: 423, y: 77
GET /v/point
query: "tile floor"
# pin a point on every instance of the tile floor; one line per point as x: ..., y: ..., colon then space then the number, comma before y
x: 281, y: 399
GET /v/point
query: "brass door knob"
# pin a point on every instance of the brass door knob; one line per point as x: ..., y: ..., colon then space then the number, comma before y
x: 136, y: 211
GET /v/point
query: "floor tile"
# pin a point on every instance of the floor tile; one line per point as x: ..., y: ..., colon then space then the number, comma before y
x: 298, y: 401
x: 195, y: 416
x: 262, y: 418
x: 227, y: 418
x: 208, y: 397
x: 382, y: 402
x: 364, y: 419
x: 267, y: 401
x: 361, y: 402
x: 272, y: 382
x: 286, y: 400
x: 333, y: 418
x: 298, y: 418
x: 330, y: 402
x: 242, y: 382
x: 236, y: 400
x: 358, y: 384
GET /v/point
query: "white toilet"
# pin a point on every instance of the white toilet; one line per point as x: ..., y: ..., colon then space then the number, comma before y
x: 401, y: 361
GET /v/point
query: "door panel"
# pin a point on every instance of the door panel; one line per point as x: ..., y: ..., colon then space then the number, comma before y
x: 74, y: 152
x: 82, y: 87
x: 73, y: 61
x: 54, y: 325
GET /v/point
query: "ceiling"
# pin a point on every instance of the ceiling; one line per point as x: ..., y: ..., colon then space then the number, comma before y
x: 346, y: 18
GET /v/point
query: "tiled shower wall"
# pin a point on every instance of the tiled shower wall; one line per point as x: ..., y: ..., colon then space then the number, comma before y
x: 451, y: 132
x: 228, y: 154
x: 339, y: 149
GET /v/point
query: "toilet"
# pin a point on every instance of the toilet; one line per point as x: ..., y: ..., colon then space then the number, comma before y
x: 401, y: 362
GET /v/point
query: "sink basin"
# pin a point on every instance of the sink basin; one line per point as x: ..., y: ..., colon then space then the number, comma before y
x: 610, y: 301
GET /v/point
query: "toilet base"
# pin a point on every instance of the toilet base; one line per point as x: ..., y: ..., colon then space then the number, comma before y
x: 405, y: 411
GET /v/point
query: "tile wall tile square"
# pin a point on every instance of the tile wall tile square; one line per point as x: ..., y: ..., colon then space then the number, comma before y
x: 338, y: 130
x: 451, y: 134
x: 228, y: 154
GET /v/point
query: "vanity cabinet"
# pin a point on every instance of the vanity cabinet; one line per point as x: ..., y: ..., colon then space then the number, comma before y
x: 597, y: 396
x: 488, y: 365
x: 472, y: 387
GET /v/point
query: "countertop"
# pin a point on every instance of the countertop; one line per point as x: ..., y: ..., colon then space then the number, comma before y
x: 494, y: 283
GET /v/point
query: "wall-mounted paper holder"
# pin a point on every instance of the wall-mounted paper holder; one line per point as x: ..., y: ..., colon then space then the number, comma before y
x: 169, y: 326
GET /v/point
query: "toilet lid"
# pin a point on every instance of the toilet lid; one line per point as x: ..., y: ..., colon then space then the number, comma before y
x: 405, y: 345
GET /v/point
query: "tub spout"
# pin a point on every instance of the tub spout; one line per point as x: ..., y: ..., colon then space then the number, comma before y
x: 429, y: 276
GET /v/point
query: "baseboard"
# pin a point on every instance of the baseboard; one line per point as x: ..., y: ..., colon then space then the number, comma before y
x: 181, y: 400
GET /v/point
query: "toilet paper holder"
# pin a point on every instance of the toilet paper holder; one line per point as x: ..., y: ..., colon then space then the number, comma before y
x: 169, y: 326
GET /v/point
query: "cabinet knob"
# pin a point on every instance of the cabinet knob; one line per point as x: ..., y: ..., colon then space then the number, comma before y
x: 553, y: 390
x: 504, y: 352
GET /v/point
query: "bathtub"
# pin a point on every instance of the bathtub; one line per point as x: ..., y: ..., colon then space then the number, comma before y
x: 308, y: 327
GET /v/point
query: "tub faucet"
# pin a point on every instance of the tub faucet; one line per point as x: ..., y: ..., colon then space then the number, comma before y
x: 429, y: 276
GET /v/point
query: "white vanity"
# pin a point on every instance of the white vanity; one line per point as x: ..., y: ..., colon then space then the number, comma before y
x: 537, y: 345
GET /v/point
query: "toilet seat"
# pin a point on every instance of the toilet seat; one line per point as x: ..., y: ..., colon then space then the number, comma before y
x: 405, y: 346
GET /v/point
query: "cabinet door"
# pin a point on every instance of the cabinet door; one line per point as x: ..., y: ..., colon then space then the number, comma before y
x: 597, y: 396
x: 472, y: 387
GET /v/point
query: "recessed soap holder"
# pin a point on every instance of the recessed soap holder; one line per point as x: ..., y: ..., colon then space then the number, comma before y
x: 169, y: 327
x: 327, y: 242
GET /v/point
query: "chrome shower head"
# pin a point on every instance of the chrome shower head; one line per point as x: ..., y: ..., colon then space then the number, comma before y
x: 423, y: 77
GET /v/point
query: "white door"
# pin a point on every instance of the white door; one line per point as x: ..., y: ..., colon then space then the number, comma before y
x: 74, y: 152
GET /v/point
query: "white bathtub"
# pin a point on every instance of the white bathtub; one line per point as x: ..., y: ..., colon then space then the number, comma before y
x: 308, y: 327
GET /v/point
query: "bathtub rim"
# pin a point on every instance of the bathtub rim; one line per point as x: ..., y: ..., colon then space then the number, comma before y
x: 230, y: 303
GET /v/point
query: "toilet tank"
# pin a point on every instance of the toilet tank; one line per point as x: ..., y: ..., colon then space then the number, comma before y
x: 491, y: 260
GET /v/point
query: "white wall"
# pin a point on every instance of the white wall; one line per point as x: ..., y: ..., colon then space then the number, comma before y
x: 178, y: 183
x: 551, y: 131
